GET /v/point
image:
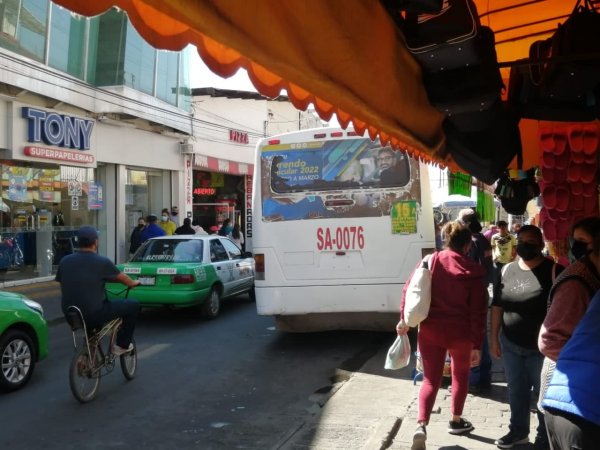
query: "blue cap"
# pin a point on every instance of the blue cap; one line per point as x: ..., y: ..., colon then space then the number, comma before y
x: 87, y: 232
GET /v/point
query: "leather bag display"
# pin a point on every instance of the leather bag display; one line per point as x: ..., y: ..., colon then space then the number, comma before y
x: 486, y: 153
x: 446, y: 40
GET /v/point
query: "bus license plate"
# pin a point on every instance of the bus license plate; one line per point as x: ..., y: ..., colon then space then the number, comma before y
x: 147, y: 281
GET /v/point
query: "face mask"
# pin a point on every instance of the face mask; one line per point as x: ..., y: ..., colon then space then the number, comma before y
x: 174, y: 213
x: 579, y: 249
x: 140, y: 225
x: 164, y: 218
x: 527, y: 251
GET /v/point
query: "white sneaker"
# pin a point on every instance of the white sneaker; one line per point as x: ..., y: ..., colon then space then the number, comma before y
x: 118, y: 351
x: 419, y: 438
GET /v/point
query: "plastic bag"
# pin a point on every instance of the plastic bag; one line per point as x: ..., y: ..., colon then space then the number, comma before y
x: 398, y: 356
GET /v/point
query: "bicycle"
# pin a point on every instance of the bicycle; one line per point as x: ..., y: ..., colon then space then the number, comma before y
x: 92, y: 360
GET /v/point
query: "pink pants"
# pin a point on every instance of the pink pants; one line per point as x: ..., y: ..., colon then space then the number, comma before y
x: 433, y: 346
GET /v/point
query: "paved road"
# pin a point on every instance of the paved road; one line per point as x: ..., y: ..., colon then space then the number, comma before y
x: 229, y: 383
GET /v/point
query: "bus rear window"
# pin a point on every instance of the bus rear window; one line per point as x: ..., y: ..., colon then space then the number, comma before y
x: 335, y: 165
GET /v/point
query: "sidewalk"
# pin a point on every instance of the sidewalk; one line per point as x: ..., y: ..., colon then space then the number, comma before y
x: 370, y: 409
x: 376, y: 409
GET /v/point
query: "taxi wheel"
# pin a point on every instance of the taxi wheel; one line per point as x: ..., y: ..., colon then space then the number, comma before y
x: 17, y: 356
x: 211, y: 306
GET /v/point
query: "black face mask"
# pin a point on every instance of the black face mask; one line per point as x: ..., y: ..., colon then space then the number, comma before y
x: 579, y: 249
x: 140, y: 225
x: 527, y: 251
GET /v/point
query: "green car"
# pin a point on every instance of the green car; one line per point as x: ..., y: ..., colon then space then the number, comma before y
x: 188, y: 270
x: 23, y: 339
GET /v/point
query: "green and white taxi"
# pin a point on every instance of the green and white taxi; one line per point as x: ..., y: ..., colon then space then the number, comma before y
x: 188, y: 270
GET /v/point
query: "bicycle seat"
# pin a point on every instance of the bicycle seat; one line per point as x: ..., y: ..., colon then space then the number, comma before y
x: 74, y: 318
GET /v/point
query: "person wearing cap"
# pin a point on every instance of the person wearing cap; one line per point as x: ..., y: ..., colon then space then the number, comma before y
x: 504, y: 248
x: 82, y: 277
x: 166, y: 223
x: 152, y: 229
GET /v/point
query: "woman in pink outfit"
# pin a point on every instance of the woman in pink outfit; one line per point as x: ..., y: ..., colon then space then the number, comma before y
x: 455, y: 324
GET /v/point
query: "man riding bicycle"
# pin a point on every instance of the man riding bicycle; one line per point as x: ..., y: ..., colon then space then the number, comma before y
x: 82, y: 277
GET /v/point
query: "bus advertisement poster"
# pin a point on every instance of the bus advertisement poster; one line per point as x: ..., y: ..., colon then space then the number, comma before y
x: 404, y: 217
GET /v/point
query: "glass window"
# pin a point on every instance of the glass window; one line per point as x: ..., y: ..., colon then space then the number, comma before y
x: 166, y: 76
x: 184, y: 100
x: 138, y: 71
x: 169, y: 250
x: 234, y: 250
x: 335, y: 165
x: 217, y: 251
x: 67, y: 41
x: 23, y: 27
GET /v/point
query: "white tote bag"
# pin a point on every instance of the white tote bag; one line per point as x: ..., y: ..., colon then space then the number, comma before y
x: 398, y: 356
x: 418, y: 294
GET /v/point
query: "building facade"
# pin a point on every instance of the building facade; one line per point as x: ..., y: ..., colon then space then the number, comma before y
x: 227, y: 126
x: 94, y: 129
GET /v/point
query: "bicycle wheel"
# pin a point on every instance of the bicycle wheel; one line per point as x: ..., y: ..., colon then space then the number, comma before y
x: 129, y: 362
x: 83, y: 377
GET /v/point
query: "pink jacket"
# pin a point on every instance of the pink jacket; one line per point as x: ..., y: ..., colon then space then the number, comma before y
x: 458, y: 298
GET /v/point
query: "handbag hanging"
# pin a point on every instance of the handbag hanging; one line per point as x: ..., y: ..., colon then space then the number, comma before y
x: 417, y: 296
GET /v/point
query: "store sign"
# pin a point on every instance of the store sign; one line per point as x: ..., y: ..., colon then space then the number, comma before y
x: 60, y: 155
x: 57, y: 129
x: 189, y: 174
x: 249, y: 206
x: 205, y: 191
x: 238, y: 136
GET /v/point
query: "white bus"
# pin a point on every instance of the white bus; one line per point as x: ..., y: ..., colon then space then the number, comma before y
x: 338, y: 224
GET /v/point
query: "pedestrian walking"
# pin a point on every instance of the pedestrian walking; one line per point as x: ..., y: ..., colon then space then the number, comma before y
x: 572, y: 398
x: 454, y: 325
x: 186, y: 228
x: 518, y: 309
x: 480, y: 378
x: 135, y: 239
x: 237, y: 236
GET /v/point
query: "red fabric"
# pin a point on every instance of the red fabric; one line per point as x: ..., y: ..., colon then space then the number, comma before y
x: 569, y: 303
x: 433, y: 346
x: 458, y: 297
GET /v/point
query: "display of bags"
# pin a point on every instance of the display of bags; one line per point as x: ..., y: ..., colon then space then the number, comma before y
x: 526, y: 94
x: 417, y: 297
x: 574, y: 68
x: 398, y: 355
x: 446, y: 40
x: 486, y: 153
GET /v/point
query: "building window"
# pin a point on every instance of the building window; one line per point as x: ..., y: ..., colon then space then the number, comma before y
x: 139, y: 61
x: 67, y: 41
x: 23, y: 27
x: 167, y: 76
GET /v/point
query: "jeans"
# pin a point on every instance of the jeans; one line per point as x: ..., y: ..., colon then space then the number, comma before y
x: 128, y: 310
x: 522, y: 367
x: 567, y: 431
x: 482, y: 374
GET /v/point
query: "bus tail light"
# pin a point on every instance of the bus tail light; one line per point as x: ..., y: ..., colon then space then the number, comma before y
x: 182, y: 279
x: 259, y: 266
x: 274, y: 141
x: 320, y: 135
x: 336, y: 134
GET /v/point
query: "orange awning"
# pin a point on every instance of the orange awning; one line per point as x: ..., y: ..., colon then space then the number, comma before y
x: 343, y: 56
